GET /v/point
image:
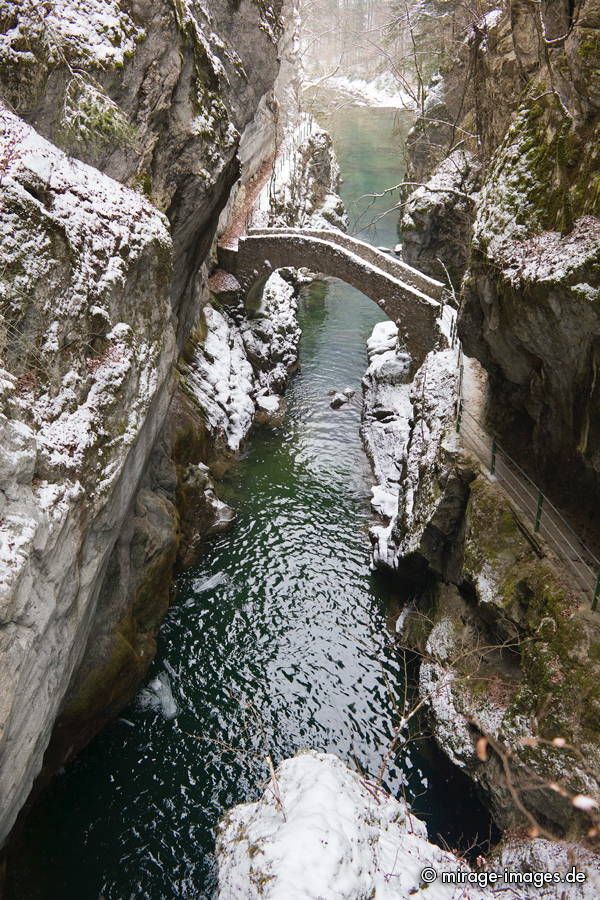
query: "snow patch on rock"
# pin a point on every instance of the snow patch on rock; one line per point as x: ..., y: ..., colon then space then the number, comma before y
x: 385, y: 429
x: 271, y: 337
x: 241, y: 366
x: 222, y: 381
x: 321, y: 830
x: 408, y: 431
x: 88, y: 32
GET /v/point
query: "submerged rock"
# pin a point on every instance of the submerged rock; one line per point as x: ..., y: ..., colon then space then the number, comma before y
x: 270, y: 409
x: 338, y: 400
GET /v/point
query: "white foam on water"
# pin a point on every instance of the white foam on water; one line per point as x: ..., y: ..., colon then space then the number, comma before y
x: 158, y: 696
x: 201, y: 585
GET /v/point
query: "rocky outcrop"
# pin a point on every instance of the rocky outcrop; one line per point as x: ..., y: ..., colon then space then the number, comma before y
x: 88, y: 347
x: 385, y: 430
x: 322, y: 830
x: 153, y: 94
x: 241, y: 360
x: 535, y: 858
x: 522, y: 97
x: 437, y: 219
x: 530, y: 314
x: 409, y: 434
x: 304, y: 187
x: 509, y: 651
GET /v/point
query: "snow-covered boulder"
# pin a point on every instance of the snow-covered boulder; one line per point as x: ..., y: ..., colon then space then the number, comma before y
x: 321, y: 831
x: 272, y: 335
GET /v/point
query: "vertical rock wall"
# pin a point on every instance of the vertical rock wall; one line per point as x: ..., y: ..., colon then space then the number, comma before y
x: 102, y: 268
x: 521, y: 98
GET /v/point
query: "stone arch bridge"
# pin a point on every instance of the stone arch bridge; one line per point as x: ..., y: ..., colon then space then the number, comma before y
x: 407, y: 296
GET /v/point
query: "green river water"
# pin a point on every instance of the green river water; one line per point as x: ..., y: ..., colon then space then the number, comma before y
x: 281, y: 639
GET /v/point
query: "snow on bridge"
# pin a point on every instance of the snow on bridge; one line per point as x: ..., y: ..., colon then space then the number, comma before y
x: 410, y: 298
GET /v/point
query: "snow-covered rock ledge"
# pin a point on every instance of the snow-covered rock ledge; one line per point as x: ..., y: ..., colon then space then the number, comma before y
x: 409, y: 434
x: 240, y: 366
x: 385, y: 429
x: 321, y: 831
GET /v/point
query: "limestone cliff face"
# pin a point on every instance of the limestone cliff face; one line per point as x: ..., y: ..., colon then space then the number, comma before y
x: 509, y: 650
x: 508, y: 654
x: 154, y: 94
x: 88, y: 347
x: 113, y: 172
x: 522, y: 98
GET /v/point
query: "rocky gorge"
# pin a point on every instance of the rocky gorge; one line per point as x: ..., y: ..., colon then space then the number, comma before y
x: 135, y: 138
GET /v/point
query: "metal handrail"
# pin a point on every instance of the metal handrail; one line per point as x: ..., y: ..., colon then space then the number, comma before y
x: 497, y: 447
x: 530, y: 499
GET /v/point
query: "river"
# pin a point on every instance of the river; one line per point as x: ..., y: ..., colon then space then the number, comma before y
x: 280, y: 639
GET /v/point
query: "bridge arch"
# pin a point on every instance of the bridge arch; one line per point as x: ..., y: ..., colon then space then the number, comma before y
x: 407, y: 296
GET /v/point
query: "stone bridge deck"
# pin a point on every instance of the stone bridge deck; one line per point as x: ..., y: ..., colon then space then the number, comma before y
x: 408, y: 297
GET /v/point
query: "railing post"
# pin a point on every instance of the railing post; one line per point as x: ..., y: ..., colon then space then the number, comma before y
x: 596, y: 593
x: 538, y: 512
x: 459, y: 410
x: 493, y: 464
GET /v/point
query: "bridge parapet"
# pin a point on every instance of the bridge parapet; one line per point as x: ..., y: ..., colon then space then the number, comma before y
x: 374, y: 273
x: 394, y: 266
